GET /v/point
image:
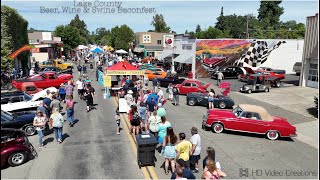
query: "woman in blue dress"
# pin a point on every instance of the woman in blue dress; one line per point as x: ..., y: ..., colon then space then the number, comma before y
x: 162, y: 129
x: 168, y: 149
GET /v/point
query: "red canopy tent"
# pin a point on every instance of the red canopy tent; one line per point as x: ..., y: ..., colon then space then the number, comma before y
x: 122, y: 66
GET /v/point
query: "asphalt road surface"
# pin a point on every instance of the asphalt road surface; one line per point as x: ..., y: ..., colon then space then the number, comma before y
x: 92, y: 149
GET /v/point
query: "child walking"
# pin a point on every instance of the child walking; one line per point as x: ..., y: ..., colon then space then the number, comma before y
x: 117, y: 117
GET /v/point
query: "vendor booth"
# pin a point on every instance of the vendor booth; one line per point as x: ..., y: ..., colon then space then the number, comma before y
x: 117, y: 72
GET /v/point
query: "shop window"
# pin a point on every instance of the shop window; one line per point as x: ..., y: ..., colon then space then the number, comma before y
x: 158, y: 41
x: 43, y: 49
x: 313, y: 72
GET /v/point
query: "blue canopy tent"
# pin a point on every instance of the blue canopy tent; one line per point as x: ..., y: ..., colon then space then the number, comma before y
x: 96, y: 50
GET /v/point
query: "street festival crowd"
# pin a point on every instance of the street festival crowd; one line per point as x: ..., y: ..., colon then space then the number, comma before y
x: 146, y: 113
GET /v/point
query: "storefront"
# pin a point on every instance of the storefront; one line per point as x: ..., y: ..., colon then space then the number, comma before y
x: 310, y: 62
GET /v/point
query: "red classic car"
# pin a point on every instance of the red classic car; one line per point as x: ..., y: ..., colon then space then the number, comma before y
x: 44, y: 80
x: 248, y: 118
x: 275, y: 75
x: 191, y: 85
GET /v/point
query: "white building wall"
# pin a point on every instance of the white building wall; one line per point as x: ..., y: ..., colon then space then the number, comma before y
x: 40, y: 56
x: 286, y: 55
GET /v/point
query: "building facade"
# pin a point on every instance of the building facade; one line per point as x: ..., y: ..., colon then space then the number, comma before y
x: 150, y: 43
x: 309, y: 76
x: 46, y: 46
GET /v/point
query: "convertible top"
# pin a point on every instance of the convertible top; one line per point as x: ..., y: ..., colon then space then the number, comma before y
x: 265, y: 116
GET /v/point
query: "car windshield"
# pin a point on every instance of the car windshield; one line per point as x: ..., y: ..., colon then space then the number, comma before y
x: 237, y: 111
x: 27, y: 97
x: 6, y: 116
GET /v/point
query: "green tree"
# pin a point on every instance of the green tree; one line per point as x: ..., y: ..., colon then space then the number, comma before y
x: 269, y: 13
x: 13, y: 36
x: 81, y: 26
x: 121, y: 37
x: 186, y: 32
x: 198, y: 28
x: 69, y: 35
x: 159, y: 24
x: 221, y: 24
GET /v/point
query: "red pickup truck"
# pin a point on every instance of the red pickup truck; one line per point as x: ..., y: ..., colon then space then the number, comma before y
x: 44, y: 80
x: 277, y: 75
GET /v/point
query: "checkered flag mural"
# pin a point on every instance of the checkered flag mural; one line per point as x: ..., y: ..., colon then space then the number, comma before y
x: 258, y: 53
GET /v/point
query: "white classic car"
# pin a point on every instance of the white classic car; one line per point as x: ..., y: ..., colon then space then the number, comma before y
x: 17, y: 101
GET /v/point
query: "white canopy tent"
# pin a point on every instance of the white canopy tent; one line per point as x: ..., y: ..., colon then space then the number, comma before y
x: 121, y: 51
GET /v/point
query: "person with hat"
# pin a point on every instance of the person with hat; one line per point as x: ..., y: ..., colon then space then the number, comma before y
x: 39, y: 122
x: 195, y: 149
x: 129, y: 99
x: 186, y: 173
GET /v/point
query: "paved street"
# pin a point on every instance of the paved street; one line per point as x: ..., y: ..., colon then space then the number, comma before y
x: 93, y: 150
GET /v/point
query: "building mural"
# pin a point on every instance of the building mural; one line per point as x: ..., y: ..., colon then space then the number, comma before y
x: 214, y: 53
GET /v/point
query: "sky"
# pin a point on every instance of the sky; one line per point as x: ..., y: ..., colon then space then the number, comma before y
x: 179, y: 15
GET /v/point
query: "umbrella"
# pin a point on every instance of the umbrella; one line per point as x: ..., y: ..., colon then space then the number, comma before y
x: 97, y: 50
x: 161, y: 112
x: 121, y: 51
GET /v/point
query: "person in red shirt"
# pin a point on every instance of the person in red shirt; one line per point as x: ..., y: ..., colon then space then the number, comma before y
x: 130, y: 118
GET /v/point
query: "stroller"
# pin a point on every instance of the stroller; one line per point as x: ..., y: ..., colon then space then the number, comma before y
x: 226, y: 87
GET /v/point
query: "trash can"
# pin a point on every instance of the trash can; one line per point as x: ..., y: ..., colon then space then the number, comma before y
x: 146, y: 147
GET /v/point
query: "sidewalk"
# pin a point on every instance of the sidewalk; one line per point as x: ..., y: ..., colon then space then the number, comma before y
x: 298, y: 100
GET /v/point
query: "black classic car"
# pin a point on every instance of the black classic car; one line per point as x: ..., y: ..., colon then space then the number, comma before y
x: 229, y: 72
x: 174, y: 79
x: 22, y: 120
x: 201, y: 99
x: 56, y: 69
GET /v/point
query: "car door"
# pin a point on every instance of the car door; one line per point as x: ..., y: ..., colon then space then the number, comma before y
x: 227, y: 72
x: 185, y: 88
x: 253, y: 123
x: 194, y: 87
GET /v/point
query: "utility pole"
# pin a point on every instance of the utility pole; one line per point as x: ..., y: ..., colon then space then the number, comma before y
x: 247, y: 26
x: 247, y: 32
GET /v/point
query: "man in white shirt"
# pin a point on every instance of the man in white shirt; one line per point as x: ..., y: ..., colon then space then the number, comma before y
x: 79, y: 85
x: 160, y: 95
x: 195, y: 149
x: 219, y: 77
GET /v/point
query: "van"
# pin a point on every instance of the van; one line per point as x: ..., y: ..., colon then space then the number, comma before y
x: 297, y: 68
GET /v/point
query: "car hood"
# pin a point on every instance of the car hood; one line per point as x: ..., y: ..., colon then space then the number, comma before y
x: 206, y: 86
x: 222, y: 113
x: 43, y: 93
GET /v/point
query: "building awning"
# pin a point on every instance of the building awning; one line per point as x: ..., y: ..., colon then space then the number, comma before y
x: 185, y: 57
x: 138, y: 49
x: 165, y: 54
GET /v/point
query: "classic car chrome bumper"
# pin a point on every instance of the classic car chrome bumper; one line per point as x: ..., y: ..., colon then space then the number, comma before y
x: 293, y: 135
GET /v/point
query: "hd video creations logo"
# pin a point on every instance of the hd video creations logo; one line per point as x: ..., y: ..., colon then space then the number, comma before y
x: 246, y: 172
x: 97, y: 7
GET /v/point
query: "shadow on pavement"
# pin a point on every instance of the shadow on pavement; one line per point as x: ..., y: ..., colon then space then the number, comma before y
x: 48, y: 140
x: 254, y: 135
x: 65, y: 136
x: 313, y: 111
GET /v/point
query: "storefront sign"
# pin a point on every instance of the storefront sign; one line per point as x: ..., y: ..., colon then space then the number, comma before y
x: 114, y: 72
x: 107, y: 81
x: 168, y: 41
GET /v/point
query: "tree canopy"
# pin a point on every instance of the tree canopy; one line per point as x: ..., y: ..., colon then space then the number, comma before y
x: 13, y: 36
x: 70, y: 36
x: 159, y: 24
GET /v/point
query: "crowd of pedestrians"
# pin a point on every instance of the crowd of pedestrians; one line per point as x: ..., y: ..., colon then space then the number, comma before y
x: 181, y: 155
